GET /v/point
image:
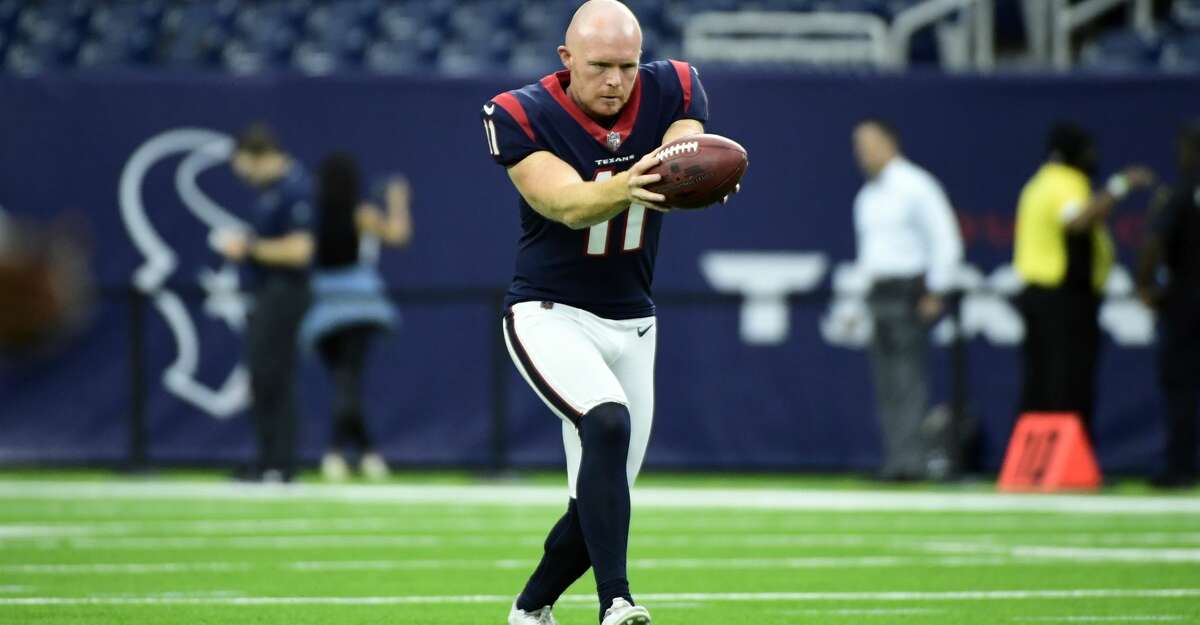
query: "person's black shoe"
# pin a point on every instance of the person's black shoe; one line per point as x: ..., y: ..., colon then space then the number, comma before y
x: 898, y: 476
x: 1173, y: 481
x: 246, y: 473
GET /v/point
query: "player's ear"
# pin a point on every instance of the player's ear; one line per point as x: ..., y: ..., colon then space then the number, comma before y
x: 565, y: 56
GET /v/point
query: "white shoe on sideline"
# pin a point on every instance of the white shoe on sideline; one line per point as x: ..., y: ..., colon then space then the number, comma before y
x: 537, y: 617
x: 334, y: 467
x: 374, y: 467
x: 621, y: 613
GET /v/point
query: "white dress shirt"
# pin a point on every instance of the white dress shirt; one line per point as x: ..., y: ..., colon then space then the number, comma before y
x: 906, y: 227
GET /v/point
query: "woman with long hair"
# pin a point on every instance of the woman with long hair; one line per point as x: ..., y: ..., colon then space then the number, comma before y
x: 351, y: 304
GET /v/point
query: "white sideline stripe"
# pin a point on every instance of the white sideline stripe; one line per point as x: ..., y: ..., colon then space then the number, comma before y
x: 127, y: 569
x: 690, y: 498
x: 1100, y: 619
x: 985, y: 544
x: 863, y: 612
x: 344, y: 541
x: 399, y: 526
x: 1017, y: 556
x: 658, y: 563
x: 993, y: 595
x: 1105, y: 554
x: 388, y: 565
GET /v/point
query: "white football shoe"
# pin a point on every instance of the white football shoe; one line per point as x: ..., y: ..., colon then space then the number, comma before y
x: 621, y: 613
x: 334, y: 467
x: 537, y: 617
x: 374, y: 467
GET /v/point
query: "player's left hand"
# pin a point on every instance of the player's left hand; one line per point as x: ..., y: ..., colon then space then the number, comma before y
x: 736, y: 189
x: 638, y: 179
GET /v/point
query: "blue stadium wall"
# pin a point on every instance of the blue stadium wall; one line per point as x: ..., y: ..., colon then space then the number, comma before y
x: 434, y: 389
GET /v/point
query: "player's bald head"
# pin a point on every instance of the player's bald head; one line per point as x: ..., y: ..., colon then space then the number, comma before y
x: 603, y: 22
x: 602, y: 51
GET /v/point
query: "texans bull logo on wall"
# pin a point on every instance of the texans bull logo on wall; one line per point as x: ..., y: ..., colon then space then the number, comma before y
x: 160, y: 276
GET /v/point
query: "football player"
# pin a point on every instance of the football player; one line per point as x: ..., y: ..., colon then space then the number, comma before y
x: 580, y: 322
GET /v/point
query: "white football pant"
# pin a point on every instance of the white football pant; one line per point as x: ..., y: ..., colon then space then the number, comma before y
x: 575, y: 361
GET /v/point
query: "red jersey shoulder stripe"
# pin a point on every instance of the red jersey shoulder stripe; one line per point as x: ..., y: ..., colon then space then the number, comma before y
x: 510, y: 103
x: 685, y: 80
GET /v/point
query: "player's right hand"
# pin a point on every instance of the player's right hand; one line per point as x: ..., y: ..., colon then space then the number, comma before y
x: 638, y: 179
x: 1138, y: 177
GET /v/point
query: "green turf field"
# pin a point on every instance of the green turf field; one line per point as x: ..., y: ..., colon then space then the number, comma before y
x: 441, y: 550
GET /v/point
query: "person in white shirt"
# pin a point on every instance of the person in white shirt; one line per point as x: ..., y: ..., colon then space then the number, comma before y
x: 909, y: 246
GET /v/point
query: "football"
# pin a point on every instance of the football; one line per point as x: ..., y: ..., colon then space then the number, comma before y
x: 698, y: 170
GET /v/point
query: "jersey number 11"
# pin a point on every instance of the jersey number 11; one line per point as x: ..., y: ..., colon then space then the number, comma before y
x: 635, y: 222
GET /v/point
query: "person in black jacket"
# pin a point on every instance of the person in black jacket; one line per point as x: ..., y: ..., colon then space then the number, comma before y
x: 1169, y: 282
x: 275, y: 255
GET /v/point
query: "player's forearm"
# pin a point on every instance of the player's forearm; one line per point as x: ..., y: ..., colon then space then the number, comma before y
x: 584, y: 204
x: 1148, y: 261
x: 681, y: 129
x: 1095, y: 212
x: 294, y: 250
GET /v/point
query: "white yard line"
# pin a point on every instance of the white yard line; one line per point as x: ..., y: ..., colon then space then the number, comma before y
x: 795, y: 597
x: 106, y: 569
x: 1055, y: 552
x: 1102, y: 619
x: 314, y: 566
x: 509, y: 495
x: 351, y: 541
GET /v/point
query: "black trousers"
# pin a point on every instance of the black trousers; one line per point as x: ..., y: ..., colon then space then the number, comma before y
x: 900, y: 370
x: 279, y: 307
x: 1179, y: 375
x: 344, y: 353
x: 1061, y: 350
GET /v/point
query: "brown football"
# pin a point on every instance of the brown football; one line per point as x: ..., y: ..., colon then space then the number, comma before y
x: 698, y: 170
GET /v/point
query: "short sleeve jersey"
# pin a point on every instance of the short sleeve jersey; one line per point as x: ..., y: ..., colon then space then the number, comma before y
x: 606, y: 269
x: 282, y: 208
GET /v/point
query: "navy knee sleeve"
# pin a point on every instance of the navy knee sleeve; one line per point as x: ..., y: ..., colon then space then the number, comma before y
x: 603, y: 489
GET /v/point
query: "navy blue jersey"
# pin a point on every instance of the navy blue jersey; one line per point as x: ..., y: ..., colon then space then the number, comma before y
x: 606, y: 269
x: 284, y: 207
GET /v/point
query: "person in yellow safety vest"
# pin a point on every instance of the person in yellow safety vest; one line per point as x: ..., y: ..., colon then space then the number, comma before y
x: 1064, y: 253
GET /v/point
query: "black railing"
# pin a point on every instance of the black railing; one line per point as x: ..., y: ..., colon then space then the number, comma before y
x: 500, y: 368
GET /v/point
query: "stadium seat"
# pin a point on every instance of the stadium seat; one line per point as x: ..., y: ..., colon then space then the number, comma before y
x: 25, y: 60
x: 1182, y: 53
x: 1122, y: 50
x: 389, y: 57
x: 9, y: 9
x: 533, y: 60
x: 1186, y: 14
x: 109, y: 20
x: 399, y: 23
x: 317, y: 59
x: 120, y: 48
x: 195, y: 49
x: 217, y: 14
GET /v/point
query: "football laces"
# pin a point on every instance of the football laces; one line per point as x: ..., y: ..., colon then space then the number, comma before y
x: 672, y: 151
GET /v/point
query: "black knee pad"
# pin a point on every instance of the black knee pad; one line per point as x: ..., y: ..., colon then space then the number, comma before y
x: 608, y: 425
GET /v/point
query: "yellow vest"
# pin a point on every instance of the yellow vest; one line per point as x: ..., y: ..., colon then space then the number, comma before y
x: 1040, y: 256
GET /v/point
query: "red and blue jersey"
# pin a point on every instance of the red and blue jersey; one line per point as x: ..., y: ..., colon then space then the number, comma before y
x: 606, y: 269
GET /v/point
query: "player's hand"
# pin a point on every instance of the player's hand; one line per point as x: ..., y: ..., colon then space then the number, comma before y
x: 368, y: 219
x: 231, y: 244
x: 1138, y: 177
x: 398, y: 191
x: 930, y: 307
x: 736, y: 189
x: 1151, y: 297
x: 638, y: 179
